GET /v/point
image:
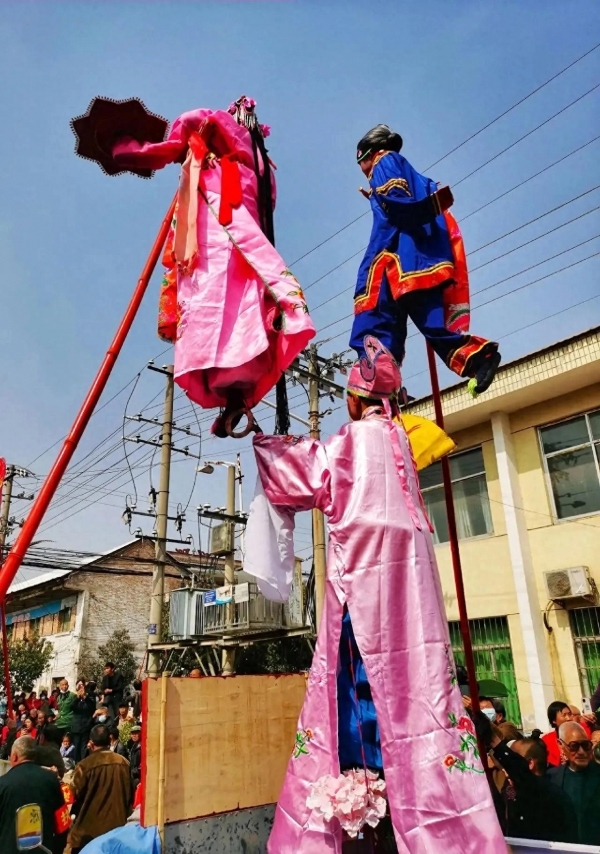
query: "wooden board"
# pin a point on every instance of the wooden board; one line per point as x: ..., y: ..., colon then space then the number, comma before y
x: 228, y: 742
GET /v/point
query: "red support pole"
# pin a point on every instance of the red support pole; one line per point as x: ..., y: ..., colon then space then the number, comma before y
x: 7, y: 685
x: 46, y: 494
x: 454, y: 549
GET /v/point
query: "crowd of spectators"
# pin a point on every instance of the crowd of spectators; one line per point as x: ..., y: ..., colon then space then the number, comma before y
x: 545, y: 787
x: 88, y: 740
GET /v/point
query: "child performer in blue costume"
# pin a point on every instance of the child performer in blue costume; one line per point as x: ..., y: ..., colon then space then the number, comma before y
x: 415, y: 266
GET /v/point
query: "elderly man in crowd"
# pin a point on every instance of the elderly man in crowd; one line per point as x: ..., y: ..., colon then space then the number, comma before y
x: 26, y: 784
x: 579, y: 777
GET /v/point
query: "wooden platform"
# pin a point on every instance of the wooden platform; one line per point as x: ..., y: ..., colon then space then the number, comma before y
x: 228, y: 742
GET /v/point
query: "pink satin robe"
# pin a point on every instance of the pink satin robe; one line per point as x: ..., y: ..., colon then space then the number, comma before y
x: 235, y: 285
x: 381, y: 564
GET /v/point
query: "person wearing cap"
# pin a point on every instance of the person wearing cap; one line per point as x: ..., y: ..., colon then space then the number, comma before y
x: 383, y: 653
x: 415, y: 265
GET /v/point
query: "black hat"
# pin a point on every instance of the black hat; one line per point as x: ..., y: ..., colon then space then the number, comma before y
x: 379, y: 138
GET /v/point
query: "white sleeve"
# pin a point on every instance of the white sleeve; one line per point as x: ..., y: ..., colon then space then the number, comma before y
x: 269, y: 546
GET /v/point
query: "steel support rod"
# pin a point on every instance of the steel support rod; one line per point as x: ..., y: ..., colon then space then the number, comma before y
x: 46, y: 493
x: 454, y: 548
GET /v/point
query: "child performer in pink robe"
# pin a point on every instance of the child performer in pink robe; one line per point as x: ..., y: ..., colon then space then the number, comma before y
x: 381, y: 575
x: 237, y: 315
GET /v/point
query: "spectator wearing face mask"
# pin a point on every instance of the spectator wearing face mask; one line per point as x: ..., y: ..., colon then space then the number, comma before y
x: 558, y: 714
x: 487, y: 707
x: 579, y: 777
x: 101, y: 716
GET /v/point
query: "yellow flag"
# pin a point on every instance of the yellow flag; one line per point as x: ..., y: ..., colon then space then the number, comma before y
x: 427, y: 441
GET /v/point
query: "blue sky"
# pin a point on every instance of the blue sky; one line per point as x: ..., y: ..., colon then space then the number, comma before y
x: 72, y: 241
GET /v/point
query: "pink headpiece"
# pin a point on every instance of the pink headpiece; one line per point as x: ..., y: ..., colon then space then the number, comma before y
x: 376, y: 374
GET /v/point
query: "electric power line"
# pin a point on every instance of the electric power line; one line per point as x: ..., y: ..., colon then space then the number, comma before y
x: 460, y: 145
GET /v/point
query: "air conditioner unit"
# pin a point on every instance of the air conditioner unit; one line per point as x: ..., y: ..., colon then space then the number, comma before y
x: 221, y: 539
x: 571, y: 583
x: 185, y: 614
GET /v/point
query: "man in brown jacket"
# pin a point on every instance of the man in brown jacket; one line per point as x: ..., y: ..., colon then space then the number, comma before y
x: 102, y: 790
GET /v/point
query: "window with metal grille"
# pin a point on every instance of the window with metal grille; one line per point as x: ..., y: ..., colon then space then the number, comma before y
x: 492, y: 651
x: 585, y: 626
x: 571, y: 452
x: 471, y: 502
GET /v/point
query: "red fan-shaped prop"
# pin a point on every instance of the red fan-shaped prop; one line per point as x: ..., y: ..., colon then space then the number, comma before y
x: 107, y: 121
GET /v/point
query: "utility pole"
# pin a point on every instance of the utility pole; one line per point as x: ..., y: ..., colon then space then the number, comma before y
x: 317, y: 374
x: 7, y: 490
x: 7, y: 497
x: 162, y: 520
x: 318, y: 519
x: 229, y: 652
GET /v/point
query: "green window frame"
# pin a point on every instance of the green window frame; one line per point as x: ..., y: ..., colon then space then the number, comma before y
x: 585, y: 628
x: 492, y: 650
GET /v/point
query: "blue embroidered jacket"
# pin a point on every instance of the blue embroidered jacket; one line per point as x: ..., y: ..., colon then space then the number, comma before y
x: 409, y: 241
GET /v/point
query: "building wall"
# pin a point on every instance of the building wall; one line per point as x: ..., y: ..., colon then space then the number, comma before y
x: 555, y: 544
x: 115, y: 601
x: 112, y: 593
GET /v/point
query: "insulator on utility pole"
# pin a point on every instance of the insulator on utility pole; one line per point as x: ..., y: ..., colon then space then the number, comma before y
x: 162, y: 521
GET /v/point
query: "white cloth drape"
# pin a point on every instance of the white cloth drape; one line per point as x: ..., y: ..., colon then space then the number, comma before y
x: 270, y: 546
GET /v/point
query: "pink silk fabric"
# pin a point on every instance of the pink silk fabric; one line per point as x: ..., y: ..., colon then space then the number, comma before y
x: 381, y: 564
x: 241, y: 315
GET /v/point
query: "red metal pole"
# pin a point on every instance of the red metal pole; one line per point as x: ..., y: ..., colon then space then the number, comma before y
x: 45, y: 495
x: 454, y: 550
x: 7, y: 685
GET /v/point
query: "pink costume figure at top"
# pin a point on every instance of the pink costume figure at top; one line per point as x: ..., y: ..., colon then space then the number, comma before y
x: 238, y: 316
x: 381, y: 567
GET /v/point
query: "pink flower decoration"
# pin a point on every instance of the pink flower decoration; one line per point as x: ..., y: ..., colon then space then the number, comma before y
x: 249, y: 103
x: 355, y: 798
x: 465, y: 724
x: 232, y: 108
x: 265, y: 130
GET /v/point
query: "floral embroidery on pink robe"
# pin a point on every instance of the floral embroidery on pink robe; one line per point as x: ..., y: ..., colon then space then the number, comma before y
x: 381, y: 565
